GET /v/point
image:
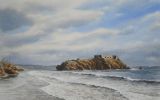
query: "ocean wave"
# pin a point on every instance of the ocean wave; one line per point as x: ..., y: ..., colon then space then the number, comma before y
x: 64, y: 83
x: 121, y: 78
x: 93, y: 86
x: 133, y: 80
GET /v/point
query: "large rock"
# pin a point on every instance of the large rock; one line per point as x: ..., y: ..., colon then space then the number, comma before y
x: 8, y: 69
x: 2, y: 73
x: 96, y: 63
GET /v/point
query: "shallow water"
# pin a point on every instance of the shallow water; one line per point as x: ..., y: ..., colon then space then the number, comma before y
x: 131, y: 84
x: 70, y: 85
x: 24, y: 87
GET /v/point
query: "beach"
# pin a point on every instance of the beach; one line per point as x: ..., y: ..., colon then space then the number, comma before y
x: 76, y: 85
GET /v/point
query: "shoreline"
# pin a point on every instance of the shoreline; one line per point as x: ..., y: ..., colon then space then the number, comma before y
x: 68, y: 81
x: 65, y: 85
x: 24, y: 87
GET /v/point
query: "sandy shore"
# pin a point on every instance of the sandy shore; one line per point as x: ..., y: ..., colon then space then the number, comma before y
x: 29, y: 86
x: 54, y: 85
x: 24, y: 87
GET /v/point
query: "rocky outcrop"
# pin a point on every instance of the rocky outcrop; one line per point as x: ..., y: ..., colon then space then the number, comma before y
x: 96, y: 63
x: 7, y: 69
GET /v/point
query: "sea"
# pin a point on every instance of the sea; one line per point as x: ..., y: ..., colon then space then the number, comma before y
x: 45, y: 83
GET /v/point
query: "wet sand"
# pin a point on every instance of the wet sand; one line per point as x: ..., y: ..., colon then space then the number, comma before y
x: 55, y: 85
x: 29, y: 86
x: 23, y: 87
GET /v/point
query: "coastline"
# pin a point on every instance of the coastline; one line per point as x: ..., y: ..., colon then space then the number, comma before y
x: 74, y: 85
x: 24, y: 87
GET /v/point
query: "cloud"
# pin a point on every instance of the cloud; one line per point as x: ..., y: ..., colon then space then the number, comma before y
x: 139, y: 42
x: 74, y: 18
x: 12, y: 19
x: 51, y: 31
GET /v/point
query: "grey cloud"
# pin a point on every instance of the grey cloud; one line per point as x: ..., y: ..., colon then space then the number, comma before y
x: 56, y: 18
x: 18, y: 58
x: 39, y: 8
x: 11, y: 19
x: 147, y: 54
x: 21, y: 41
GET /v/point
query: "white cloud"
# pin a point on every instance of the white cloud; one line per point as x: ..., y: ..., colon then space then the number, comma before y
x: 75, y: 41
x: 56, y: 32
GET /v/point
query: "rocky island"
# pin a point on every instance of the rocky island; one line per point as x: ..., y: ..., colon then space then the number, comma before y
x: 8, y: 69
x: 97, y: 63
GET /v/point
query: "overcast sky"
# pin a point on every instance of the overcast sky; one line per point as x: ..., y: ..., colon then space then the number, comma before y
x: 48, y: 32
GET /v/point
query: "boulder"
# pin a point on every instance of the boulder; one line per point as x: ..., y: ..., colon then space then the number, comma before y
x: 9, y: 69
x: 96, y: 63
x: 2, y: 73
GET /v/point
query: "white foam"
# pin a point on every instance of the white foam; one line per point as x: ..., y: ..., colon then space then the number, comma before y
x: 63, y: 89
x: 74, y: 92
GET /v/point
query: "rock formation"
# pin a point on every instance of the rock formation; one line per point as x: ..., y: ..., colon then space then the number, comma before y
x: 96, y: 63
x: 7, y: 69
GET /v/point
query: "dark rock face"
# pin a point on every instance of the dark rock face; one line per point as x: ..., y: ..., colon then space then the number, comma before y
x: 96, y: 63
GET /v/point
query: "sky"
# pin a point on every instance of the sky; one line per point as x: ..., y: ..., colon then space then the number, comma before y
x: 48, y: 32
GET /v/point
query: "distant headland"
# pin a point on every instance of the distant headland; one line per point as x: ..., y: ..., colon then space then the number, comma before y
x: 97, y: 63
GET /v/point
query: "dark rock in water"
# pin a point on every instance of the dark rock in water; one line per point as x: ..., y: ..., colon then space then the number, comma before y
x: 96, y: 63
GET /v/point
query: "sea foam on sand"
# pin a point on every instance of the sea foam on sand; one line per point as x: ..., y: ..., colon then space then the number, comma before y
x: 76, y: 86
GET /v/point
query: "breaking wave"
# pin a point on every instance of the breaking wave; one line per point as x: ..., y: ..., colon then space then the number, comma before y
x: 122, y: 78
x: 86, y: 83
x: 119, y: 77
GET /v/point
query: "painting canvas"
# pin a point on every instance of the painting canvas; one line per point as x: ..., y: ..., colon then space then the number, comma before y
x: 79, y: 49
